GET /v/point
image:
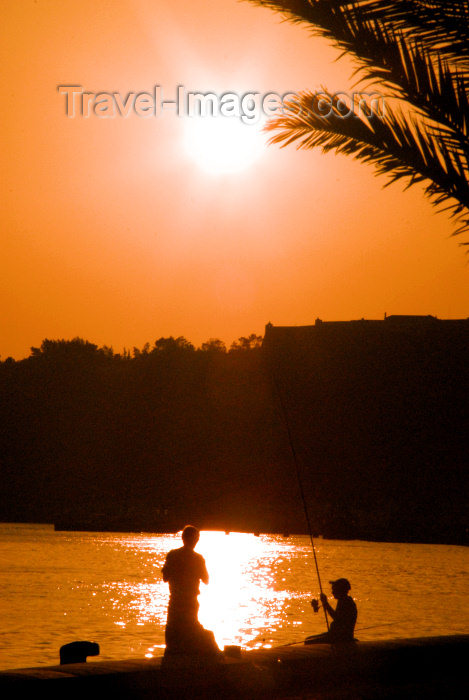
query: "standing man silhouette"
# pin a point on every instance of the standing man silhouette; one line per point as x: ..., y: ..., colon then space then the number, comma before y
x: 183, y: 570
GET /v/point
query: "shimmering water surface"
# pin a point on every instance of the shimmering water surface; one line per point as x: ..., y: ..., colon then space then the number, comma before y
x: 59, y: 587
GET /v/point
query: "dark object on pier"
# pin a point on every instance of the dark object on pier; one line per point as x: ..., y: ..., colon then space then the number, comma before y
x: 76, y: 652
x: 232, y: 651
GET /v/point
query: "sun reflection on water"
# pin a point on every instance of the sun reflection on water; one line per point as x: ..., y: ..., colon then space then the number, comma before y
x: 243, y: 597
x: 241, y: 594
x: 108, y: 587
x: 259, y: 590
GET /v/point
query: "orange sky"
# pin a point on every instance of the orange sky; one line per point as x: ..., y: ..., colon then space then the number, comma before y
x: 111, y: 233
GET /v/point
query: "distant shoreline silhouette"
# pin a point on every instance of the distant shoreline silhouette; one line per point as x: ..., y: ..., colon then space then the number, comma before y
x: 170, y: 433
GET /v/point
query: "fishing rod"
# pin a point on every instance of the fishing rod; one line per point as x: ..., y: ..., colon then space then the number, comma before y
x: 300, y: 484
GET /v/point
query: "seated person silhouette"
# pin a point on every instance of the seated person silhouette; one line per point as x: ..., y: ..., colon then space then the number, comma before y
x: 343, y: 617
x: 183, y: 570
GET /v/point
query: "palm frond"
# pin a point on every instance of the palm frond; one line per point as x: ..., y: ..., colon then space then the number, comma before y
x: 433, y: 87
x: 396, y: 145
x: 442, y: 25
x: 392, y: 54
x: 418, y: 51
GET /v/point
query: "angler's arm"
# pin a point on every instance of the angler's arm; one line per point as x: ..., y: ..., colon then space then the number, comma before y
x: 328, y: 608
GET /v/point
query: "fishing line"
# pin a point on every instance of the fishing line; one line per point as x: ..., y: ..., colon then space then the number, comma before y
x: 359, y: 629
x: 300, y: 484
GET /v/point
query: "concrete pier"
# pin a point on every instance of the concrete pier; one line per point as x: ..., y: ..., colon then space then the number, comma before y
x: 430, y: 667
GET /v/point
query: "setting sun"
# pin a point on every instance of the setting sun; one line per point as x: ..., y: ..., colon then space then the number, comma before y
x: 223, y: 144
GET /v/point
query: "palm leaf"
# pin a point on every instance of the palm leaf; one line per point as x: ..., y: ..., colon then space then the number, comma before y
x: 397, y: 146
x: 441, y: 25
x: 419, y: 52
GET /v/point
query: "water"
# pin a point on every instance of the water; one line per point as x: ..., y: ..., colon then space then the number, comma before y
x: 59, y: 587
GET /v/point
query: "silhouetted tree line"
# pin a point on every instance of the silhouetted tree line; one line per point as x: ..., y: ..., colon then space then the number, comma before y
x: 142, y: 439
x: 151, y: 438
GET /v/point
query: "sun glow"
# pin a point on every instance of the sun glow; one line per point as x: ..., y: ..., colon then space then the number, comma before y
x: 223, y: 144
x: 242, y: 604
x: 240, y: 593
